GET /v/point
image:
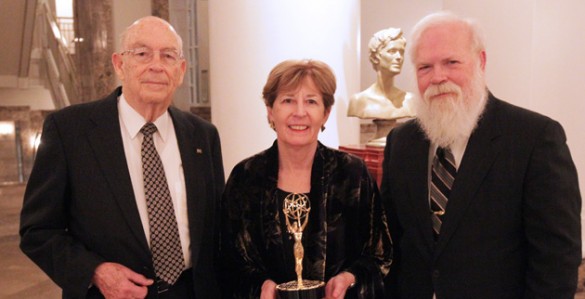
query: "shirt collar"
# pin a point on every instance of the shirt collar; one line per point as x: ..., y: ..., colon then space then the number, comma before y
x: 457, y: 149
x: 133, y: 121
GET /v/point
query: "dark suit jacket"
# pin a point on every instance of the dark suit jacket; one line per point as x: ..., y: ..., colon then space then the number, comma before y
x: 79, y: 206
x: 512, y: 224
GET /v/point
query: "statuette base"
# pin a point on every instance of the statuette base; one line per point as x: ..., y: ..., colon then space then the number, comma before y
x: 311, y: 289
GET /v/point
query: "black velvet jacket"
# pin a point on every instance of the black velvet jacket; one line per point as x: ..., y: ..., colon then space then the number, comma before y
x: 347, y: 228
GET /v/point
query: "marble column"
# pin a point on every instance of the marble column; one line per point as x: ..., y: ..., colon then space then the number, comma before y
x: 94, y: 30
x: 160, y: 8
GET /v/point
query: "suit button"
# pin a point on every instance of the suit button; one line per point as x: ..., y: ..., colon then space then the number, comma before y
x: 436, y: 274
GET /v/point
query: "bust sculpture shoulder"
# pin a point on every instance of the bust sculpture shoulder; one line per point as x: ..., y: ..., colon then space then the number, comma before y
x: 372, y: 104
x: 383, y: 100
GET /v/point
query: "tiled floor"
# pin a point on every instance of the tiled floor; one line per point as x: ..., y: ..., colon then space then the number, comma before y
x: 21, y: 279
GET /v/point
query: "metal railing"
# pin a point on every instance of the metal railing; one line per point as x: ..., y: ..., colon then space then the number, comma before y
x: 59, y: 66
x: 68, y: 32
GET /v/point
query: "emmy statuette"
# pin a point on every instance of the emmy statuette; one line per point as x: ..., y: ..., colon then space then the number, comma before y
x: 296, y: 208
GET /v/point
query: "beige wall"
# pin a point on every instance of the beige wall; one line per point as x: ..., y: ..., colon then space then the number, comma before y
x: 11, y: 24
x: 37, y: 98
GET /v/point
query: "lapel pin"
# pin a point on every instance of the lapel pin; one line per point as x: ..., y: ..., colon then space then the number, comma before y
x: 199, y: 151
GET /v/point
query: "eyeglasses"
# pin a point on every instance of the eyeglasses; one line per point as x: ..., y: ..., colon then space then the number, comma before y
x: 168, y: 57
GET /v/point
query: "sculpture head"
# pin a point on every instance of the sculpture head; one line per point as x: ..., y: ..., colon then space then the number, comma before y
x: 387, y: 50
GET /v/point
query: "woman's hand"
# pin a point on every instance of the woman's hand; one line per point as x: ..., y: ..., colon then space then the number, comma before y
x: 268, y: 290
x: 338, y: 285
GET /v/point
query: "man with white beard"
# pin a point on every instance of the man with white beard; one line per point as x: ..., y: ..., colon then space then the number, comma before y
x: 482, y: 196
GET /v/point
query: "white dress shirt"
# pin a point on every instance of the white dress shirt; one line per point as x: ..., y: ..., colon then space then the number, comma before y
x: 165, y: 141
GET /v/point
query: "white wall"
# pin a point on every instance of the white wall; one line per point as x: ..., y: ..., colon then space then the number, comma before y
x: 534, y: 54
x: 249, y: 37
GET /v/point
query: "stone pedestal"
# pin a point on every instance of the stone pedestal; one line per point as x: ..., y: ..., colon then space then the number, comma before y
x: 383, y: 127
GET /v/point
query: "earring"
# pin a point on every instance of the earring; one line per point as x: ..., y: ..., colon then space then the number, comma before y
x: 322, y: 128
x: 272, y: 126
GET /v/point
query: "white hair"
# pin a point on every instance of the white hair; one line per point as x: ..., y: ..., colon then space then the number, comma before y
x: 441, y: 18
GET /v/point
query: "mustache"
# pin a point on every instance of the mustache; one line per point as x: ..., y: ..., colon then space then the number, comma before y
x: 445, y: 87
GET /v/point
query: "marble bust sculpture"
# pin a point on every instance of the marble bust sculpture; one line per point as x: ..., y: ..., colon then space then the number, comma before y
x: 383, y: 101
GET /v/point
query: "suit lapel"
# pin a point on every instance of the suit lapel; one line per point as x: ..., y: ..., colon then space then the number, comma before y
x: 480, y: 154
x: 192, y: 158
x: 418, y: 176
x: 106, y: 141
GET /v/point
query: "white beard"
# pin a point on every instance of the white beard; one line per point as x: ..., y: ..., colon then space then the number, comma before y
x: 451, y: 120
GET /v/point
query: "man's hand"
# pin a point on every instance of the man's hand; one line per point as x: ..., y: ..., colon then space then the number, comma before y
x: 268, y: 290
x: 115, y: 281
x: 338, y: 285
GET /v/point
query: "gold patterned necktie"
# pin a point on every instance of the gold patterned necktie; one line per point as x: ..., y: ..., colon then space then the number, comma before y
x: 442, y: 178
x: 165, y: 243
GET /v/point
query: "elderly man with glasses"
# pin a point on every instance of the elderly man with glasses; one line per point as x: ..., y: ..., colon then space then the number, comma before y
x: 122, y: 196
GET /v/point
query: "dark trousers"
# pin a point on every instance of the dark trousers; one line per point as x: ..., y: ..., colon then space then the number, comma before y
x: 182, y: 289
